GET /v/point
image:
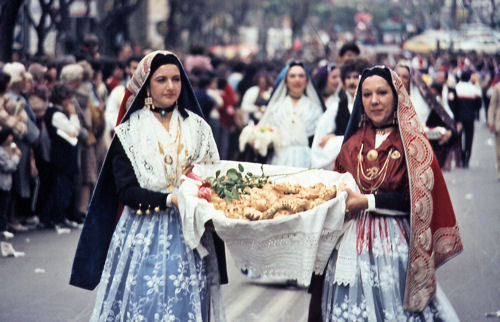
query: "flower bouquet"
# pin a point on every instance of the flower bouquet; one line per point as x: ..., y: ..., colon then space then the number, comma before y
x: 260, y: 138
x: 287, y: 241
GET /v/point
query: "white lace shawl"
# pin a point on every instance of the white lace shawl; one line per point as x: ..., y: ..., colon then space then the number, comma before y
x: 301, y: 120
x: 141, y: 135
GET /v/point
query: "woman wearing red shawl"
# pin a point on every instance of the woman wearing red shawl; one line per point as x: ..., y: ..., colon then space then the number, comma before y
x: 144, y: 268
x: 384, y: 266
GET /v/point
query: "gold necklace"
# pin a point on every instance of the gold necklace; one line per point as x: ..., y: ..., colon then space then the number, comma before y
x: 167, y: 159
x: 373, y: 173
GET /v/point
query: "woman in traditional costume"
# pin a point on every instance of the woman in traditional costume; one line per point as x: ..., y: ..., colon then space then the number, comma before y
x: 326, y: 145
x: 402, y: 224
x: 436, y: 118
x: 293, y: 111
x: 145, y: 269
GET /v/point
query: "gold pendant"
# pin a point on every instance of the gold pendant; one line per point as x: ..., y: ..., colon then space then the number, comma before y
x: 372, y: 172
x: 372, y: 155
x: 168, y: 159
x: 395, y: 155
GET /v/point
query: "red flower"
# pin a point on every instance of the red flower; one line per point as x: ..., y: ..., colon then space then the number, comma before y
x: 204, y: 192
x: 206, y: 184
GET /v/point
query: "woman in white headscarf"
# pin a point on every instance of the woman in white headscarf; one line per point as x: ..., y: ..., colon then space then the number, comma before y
x: 294, y: 111
x: 145, y: 269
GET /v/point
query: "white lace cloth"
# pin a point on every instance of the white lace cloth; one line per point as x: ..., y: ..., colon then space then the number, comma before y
x: 291, y: 247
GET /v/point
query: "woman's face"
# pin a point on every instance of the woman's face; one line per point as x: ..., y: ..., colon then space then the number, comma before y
x: 296, y: 81
x: 165, y: 85
x: 332, y: 82
x: 404, y: 74
x: 378, y: 100
x: 262, y: 82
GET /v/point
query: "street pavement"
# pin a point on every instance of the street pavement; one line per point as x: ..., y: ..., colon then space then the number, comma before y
x: 35, y: 287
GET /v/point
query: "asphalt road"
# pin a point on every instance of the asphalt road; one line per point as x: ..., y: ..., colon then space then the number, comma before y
x: 35, y: 287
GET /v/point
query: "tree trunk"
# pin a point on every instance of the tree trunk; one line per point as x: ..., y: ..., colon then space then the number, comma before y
x: 493, y: 14
x: 172, y: 28
x: 113, y: 22
x: 298, y: 14
x: 8, y: 17
x: 453, y: 13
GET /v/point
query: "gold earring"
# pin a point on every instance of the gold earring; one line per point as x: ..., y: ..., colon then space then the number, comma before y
x: 148, y: 102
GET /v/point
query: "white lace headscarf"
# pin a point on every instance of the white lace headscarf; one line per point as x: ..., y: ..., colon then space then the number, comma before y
x: 281, y: 91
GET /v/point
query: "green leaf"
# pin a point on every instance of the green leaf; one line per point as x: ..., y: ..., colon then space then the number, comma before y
x: 232, y: 175
x: 240, y: 167
x: 217, y: 173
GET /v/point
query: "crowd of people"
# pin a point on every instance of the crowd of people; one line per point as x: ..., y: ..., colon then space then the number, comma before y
x: 58, y: 119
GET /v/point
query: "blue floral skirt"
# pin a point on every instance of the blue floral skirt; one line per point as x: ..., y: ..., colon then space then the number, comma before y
x: 378, y: 291
x: 150, y: 274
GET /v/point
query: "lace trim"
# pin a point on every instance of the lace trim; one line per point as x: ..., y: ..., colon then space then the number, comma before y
x: 140, y: 135
x: 286, y: 256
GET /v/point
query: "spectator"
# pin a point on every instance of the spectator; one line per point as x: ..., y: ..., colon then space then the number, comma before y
x: 117, y: 76
x: 468, y: 101
x: 72, y: 75
x: 9, y: 159
x: 26, y: 171
x: 349, y: 50
x: 494, y: 121
x: 63, y: 127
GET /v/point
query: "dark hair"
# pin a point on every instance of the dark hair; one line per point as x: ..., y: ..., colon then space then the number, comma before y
x: 90, y: 40
x: 60, y: 92
x: 259, y: 74
x: 197, y: 50
x: 437, y: 87
x: 204, y: 80
x: 353, y: 65
x: 296, y: 63
x: 349, y: 46
x: 465, y: 76
x: 4, y: 81
x: 42, y: 92
x: 133, y: 58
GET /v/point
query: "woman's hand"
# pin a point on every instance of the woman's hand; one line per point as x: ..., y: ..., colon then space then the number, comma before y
x: 445, y: 137
x: 325, y: 139
x: 175, y: 201
x: 70, y: 108
x: 355, y: 201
